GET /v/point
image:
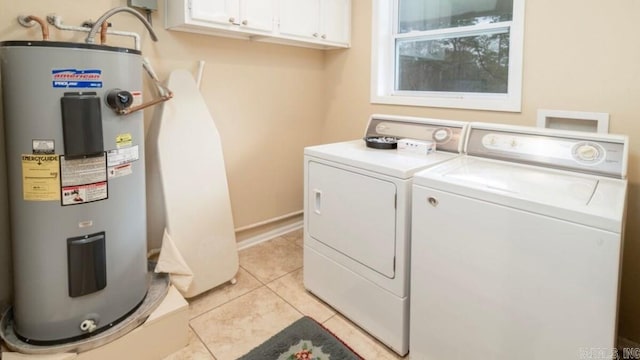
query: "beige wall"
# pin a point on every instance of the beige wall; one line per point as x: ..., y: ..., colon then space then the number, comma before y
x: 580, y: 55
x: 267, y: 101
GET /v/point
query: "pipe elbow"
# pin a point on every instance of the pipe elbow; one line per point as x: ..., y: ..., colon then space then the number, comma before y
x: 31, y: 20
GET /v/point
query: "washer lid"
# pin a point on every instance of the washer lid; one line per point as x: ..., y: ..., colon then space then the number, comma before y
x: 595, y: 201
x: 532, y: 183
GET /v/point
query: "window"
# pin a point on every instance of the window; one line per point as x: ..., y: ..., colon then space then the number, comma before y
x: 448, y: 53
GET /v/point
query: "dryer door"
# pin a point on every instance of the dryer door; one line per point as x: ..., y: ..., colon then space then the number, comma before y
x: 354, y: 214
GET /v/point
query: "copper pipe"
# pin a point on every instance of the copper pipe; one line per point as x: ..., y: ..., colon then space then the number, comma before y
x: 28, y: 21
x: 147, y: 104
x: 103, y: 32
x: 165, y: 92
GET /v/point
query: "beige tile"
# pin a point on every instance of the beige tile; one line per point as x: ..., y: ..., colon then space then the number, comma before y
x: 296, y: 236
x: 231, y: 330
x: 269, y: 260
x: 291, y: 289
x: 194, y: 351
x: 222, y: 294
x: 364, y: 344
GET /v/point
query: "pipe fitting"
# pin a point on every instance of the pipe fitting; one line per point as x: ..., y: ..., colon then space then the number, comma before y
x: 31, y: 20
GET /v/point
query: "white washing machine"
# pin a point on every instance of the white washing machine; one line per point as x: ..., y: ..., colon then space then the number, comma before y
x: 357, y: 222
x: 517, y: 246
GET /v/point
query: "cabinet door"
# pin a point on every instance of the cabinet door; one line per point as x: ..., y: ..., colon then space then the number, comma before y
x: 217, y: 11
x: 335, y: 18
x: 300, y: 17
x: 257, y: 14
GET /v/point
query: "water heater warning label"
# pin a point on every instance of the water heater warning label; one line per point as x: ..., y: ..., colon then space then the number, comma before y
x: 73, y: 195
x: 76, y: 78
x: 40, y: 177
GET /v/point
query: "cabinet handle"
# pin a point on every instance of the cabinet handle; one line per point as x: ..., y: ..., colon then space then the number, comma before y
x: 433, y: 201
x: 232, y: 20
x: 245, y: 22
x: 315, y: 34
x: 324, y: 36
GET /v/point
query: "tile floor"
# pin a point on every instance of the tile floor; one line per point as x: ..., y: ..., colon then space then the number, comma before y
x: 230, y: 320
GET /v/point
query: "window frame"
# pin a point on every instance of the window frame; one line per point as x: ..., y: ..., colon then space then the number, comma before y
x: 383, y: 63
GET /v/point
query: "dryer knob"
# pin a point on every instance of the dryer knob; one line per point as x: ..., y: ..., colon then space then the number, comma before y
x: 441, y: 135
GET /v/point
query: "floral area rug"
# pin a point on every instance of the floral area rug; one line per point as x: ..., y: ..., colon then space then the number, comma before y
x: 305, y: 339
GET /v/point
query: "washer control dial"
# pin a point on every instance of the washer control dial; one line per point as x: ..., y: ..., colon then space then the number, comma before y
x: 588, y: 152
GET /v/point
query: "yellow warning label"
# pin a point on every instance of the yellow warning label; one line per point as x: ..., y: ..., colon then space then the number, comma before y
x: 40, y: 177
x: 123, y: 140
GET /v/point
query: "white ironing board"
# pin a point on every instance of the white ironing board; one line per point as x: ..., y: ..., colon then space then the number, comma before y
x: 199, y: 248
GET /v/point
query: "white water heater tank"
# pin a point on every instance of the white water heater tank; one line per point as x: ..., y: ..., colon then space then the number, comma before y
x: 76, y: 178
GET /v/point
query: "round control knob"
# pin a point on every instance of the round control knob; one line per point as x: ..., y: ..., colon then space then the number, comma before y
x: 119, y: 99
x: 587, y: 152
x: 441, y: 135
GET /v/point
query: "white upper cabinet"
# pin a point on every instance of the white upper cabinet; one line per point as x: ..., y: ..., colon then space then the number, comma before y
x: 312, y: 23
x: 257, y: 14
x: 299, y: 17
x: 249, y: 14
x: 335, y: 20
x: 321, y: 21
x: 215, y: 11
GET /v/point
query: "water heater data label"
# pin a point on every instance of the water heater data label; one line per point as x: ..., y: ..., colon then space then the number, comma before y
x: 123, y: 156
x: 83, y: 171
x: 43, y: 146
x: 76, y: 78
x: 40, y: 177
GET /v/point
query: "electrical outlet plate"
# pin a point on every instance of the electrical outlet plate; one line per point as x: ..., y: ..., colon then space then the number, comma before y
x: 150, y: 5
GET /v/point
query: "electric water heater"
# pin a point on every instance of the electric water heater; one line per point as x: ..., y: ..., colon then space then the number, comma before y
x: 76, y: 178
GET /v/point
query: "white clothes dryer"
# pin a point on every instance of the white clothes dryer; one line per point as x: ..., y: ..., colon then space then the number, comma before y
x: 517, y: 245
x: 357, y: 221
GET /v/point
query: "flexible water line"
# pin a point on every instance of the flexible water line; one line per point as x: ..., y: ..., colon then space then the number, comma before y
x: 96, y: 26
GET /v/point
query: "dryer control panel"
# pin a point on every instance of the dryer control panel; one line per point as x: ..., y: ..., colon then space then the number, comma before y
x: 600, y: 154
x: 448, y: 135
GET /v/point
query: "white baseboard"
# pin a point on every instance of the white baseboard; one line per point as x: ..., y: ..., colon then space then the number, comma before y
x: 268, y: 235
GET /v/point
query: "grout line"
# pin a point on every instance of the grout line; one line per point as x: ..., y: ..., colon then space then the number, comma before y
x: 331, y: 317
x: 195, y: 333
x: 253, y: 275
x: 287, y: 302
x: 226, y: 302
x: 283, y: 275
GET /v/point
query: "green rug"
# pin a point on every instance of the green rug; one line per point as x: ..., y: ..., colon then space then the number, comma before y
x: 305, y: 339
